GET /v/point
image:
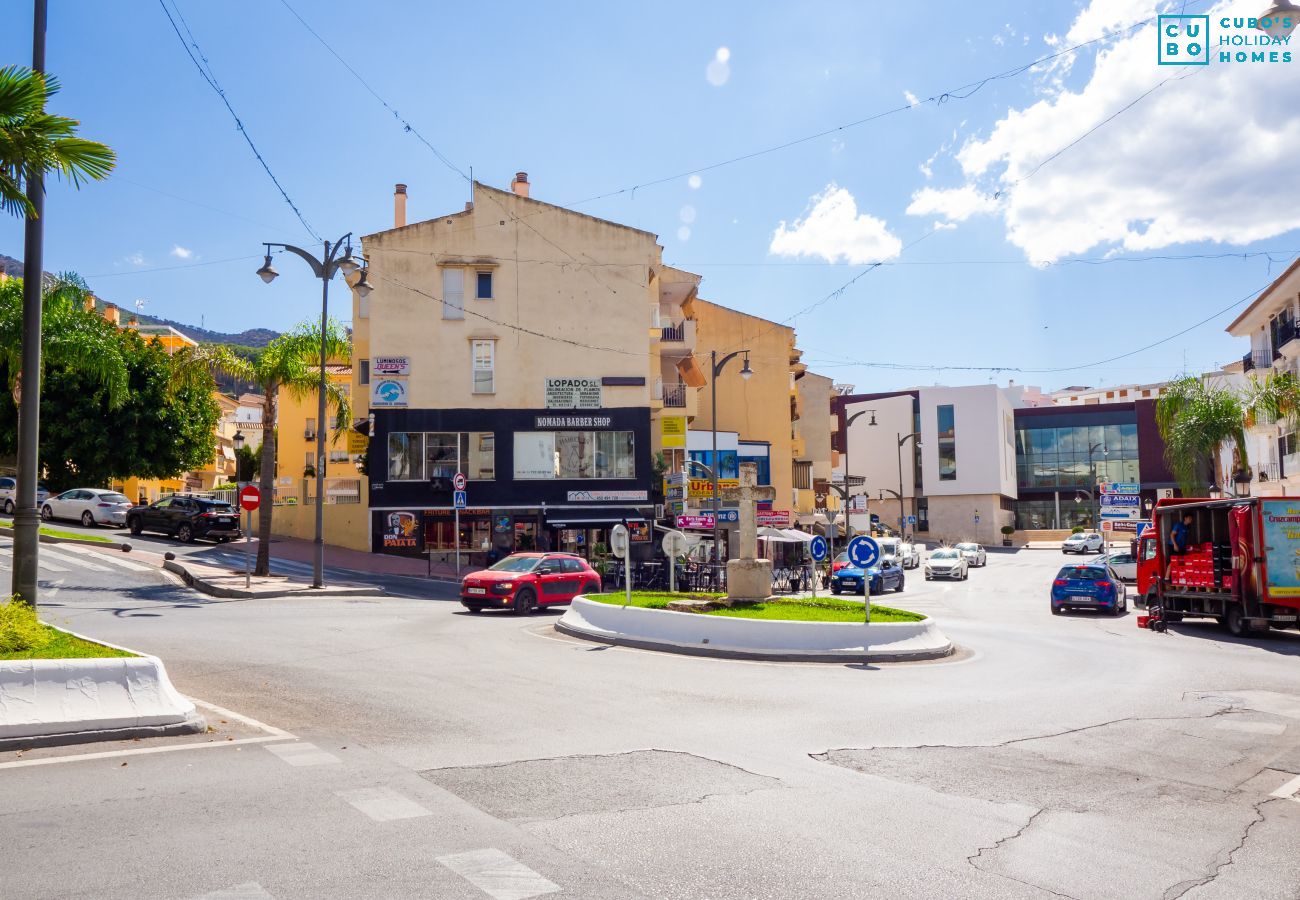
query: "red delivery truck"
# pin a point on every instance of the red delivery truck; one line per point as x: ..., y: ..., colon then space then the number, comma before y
x: 1241, y: 567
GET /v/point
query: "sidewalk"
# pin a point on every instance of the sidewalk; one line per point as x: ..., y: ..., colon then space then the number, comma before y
x: 298, y: 550
x: 220, y: 581
x: 1056, y: 545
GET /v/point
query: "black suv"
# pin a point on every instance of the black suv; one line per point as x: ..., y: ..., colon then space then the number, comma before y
x: 186, y: 518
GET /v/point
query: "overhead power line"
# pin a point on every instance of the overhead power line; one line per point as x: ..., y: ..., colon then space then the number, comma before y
x: 212, y: 83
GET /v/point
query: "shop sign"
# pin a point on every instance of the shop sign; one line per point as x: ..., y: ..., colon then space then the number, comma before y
x: 776, y: 518
x: 401, y: 531
x: 542, y: 423
x: 608, y: 496
x: 573, y: 393
x: 672, y: 431
x: 388, y: 392
x: 357, y: 443
x: 703, y: 487
x: 677, y: 507
x: 390, y: 365
x: 639, y: 531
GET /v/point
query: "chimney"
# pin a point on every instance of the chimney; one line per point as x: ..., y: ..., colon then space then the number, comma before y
x: 399, y: 205
x: 520, y: 184
x: 111, y: 313
x: 90, y: 303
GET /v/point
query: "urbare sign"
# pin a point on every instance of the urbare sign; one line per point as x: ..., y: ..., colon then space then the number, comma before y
x: 573, y: 393
x: 544, y: 422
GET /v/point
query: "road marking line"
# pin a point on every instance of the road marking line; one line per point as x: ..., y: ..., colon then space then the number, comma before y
x: 383, y: 804
x: 250, y: 890
x: 139, y: 751
x: 76, y: 559
x: 498, y: 874
x: 239, y: 717
x: 1288, y: 790
x: 303, y: 754
x: 123, y: 563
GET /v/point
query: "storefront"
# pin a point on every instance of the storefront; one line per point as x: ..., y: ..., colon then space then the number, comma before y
x: 534, y: 479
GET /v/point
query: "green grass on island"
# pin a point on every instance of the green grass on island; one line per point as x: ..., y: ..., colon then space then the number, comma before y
x: 24, y: 636
x: 59, y: 533
x: 823, y: 609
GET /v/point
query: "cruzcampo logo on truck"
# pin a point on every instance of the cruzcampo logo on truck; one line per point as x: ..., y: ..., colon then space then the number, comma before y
x: 1282, y: 546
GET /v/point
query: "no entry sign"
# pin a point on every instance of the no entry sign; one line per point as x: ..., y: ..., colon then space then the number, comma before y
x: 250, y: 498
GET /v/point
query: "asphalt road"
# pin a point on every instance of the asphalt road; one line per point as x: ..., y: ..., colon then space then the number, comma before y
x: 433, y: 753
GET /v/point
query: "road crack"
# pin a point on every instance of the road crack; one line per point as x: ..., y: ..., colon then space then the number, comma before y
x: 1182, y: 887
x: 972, y: 860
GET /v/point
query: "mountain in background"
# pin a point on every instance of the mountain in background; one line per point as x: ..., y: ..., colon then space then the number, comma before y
x: 252, y: 337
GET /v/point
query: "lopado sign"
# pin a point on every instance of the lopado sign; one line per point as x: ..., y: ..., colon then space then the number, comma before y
x: 776, y: 518
x: 703, y: 487
x: 388, y: 392
x: 573, y: 393
x: 390, y: 365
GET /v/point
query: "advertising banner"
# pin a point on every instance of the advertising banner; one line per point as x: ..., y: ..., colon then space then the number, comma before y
x: 776, y: 518
x: 1282, y: 546
x: 402, y: 531
x: 389, y: 365
x: 703, y: 487
x: 672, y: 431
x: 573, y: 393
x: 704, y: 521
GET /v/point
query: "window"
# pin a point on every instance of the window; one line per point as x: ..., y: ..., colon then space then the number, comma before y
x: 947, y: 443
x: 571, y: 566
x: 802, y: 476
x: 364, y: 376
x: 309, y: 459
x: 484, y: 286
x: 484, y: 353
x: 574, y: 454
x: 309, y: 430
x: 453, y: 293
x: 414, y: 456
x: 338, y: 456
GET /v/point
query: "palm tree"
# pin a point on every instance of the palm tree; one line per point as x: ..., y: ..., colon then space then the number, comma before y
x: 34, y: 143
x: 291, y: 362
x: 72, y: 336
x: 1195, y: 419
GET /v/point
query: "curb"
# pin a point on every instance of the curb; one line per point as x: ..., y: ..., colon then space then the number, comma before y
x: 47, y: 539
x: 292, y: 589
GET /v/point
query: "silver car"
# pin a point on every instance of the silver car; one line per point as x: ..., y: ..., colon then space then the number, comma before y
x: 974, y: 554
x: 1124, y: 565
x: 9, y: 493
x: 90, y: 506
x: 947, y: 562
x: 902, y: 553
x: 1083, y: 542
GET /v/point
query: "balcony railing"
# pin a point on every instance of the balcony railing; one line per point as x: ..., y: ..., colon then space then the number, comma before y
x: 1248, y: 362
x: 675, y: 334
x: 674, y: 396
x: 1263, y: 358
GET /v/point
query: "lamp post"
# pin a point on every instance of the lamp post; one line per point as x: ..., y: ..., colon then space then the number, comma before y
x: 238, y: 441
x: 324, y: 269
x: 1282, y: 18
x: 848, y: 484
x: 903, y: 439
x: 1092, y: 472
x: 745, y: 371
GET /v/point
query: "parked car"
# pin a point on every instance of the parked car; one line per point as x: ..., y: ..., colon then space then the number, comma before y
x: 1084, y: 542
x: 902, y: 553
x: 839, y: 562
x: 947, y: 562
x: 1122, y: 564
x: 90, y: 506
x: 1088, y: 586
x: 186, y: 518
x: 974, y: 553
x: 9, y: 493
x: 888, y: 575
x: 522, y: 582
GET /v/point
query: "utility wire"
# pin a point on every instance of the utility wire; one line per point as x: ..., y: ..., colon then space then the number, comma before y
x: 212, y: 262
x: 407, y: 126
x: 212, y: 83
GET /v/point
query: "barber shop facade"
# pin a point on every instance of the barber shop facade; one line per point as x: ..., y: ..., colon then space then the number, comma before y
x: 534, y: 479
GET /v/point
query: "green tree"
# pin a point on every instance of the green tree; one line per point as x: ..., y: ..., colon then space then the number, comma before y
x: 292, y: 362
x: 1195, y: 419
x: 34, y: 143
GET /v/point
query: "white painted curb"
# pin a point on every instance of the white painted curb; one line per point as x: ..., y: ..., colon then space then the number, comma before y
x: 753, y: 638
x: 48, y: 698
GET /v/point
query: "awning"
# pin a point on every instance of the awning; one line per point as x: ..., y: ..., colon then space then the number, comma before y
x: 796, y: 535
x: 227, y: 452
x: 584, y: 517
x: 777, y: 535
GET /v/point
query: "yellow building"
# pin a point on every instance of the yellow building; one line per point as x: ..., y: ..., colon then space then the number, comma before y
x: 296, y: 432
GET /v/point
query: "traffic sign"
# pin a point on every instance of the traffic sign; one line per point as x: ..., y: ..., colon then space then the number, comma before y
x: 1120, y: 487
x: 674, y: 544
x: 817, y: 547
x: 459, y: 499
x: 458, y: 481
x: 618, y: 540
x: 911, y: 520
x: 250, y: 498
x: 863, y: 552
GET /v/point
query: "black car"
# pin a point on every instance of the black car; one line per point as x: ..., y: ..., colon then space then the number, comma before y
x: 186, y: 518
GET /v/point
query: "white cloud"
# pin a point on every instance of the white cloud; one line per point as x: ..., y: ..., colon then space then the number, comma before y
x: 182, y: 252
x: 137, y: 259
x: 955, y: 204
x: 1202, y: 158
x: 833, y: 230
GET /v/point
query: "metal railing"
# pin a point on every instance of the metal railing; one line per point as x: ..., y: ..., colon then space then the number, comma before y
x: 674, y: 395
x: 673, y: 333
x: 337, y: 491
x: 1248, y: 362
x: 1263, y: 358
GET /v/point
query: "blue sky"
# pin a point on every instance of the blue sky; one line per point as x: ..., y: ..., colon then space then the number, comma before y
x: 592, y: 98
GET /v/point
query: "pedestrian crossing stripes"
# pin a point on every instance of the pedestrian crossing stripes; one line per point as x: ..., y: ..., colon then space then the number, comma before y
x: 51, y: 560
x: 383, y: 804
x: 498, y: 874
x: 121, y: 563
x: 302, y: 754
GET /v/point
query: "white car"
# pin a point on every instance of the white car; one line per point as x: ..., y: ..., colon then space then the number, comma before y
x: 1123, y: 565
x: 947, y: 562
x: 9, y: 493
x: 974, y: 554
x: 90, y: 506
x: 903, y: 554
x: 1083, y: 542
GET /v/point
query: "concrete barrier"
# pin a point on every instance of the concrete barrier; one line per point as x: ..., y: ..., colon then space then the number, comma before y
x: 737, y: 638
x: 53, y: 701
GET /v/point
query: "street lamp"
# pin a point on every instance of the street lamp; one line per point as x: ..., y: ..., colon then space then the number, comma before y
x: 238, y: 442
x: 745, y: 371
x: 1092, y: 472
x: 324, y: 269
x: 903, y: 439
x: 848, y: 484
x: 1241, y: 481
x: 1282, y: 18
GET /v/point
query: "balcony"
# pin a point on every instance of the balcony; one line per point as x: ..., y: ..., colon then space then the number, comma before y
x: 677, y: 338
x: 1287, y: 341
x: 1248, y: 362
x: 674, y: 395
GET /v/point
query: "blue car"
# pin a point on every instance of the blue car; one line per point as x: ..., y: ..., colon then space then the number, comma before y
x: 886, y: 576
x: 1088, y: 587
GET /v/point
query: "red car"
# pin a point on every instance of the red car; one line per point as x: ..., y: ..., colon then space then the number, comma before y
x: 524, y: 581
